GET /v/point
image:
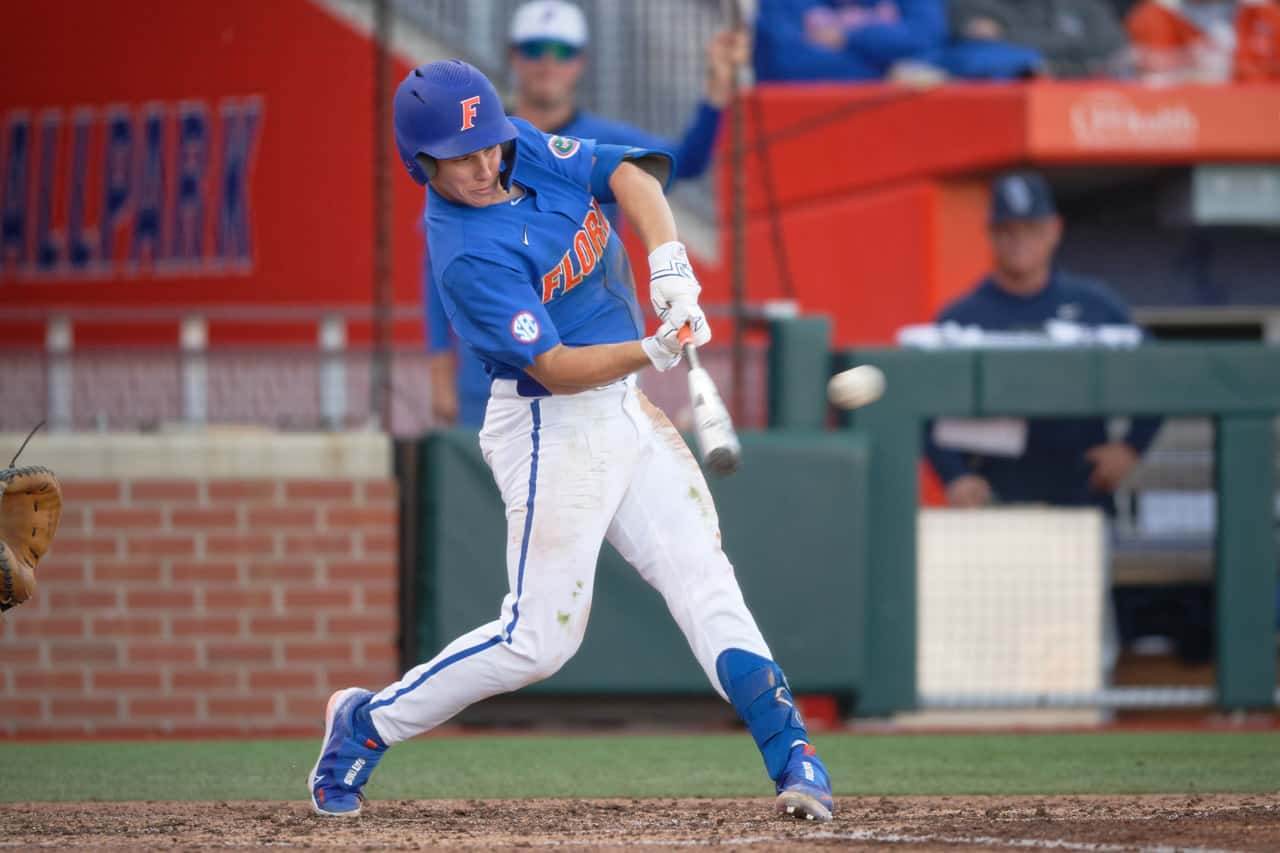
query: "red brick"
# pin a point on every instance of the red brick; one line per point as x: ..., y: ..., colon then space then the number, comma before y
x: 127, y: 679
x: 380, y: 543
x: 86, y: 491
x: 219, y: 573
x: 59, y: 570
x: 309, y: 597
x: 204, y: 517
x: 81, y: 599
x: 378, y: 597
x: 377, y: 570
x: 63, y: 730
x: 242, y: 490
x: 376, y: 490
x: 29, y: 626
x: 162, y: 545
x: 219, y: 626
x: 79, y: 706
x: 221, y: 544
x: 282, y: 679
x: 283, y: 516
x: 381, y: 653
x: 338, y: 677
x: 24, y: 707
x: 201, y: 680
x: 319, y: 545
x: 108, y: 518
x: 164, y: 490
x: 219, y: 653
x: 304, y: 709
x: 168, y: 599
x: 337, y: 653
x: 351, y: 516
x: 162, y: 706
x: 72, y: 518
x: 359, y: 625
x: 49, y: 679
x: 113, y: 571
x: 161, y: 652
x: 85, y: 545
x: 234, y: 705
x: 71, y: 652
x: 237, y: 599
x: 268, y: 626
x: 281, y: 570
x: 330, y: 490
x: 129, y: 625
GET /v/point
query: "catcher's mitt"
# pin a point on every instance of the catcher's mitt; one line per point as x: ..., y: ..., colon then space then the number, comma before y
x: 30, y: 506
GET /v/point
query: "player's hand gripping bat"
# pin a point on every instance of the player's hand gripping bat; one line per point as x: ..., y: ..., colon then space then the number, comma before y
x: 717, y: 440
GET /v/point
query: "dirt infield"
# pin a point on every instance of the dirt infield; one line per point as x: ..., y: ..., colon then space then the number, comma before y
x: 1087, y: 823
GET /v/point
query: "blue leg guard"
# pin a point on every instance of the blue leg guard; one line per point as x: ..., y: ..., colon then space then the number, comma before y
x: 759, y: 693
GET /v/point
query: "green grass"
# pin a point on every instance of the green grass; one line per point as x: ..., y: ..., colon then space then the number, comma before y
x: 650, y: 766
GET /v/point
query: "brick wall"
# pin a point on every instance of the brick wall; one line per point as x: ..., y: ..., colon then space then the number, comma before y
x: 204, y: 604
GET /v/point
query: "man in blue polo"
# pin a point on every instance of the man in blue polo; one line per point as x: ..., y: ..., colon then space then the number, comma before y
x: 1066, y: 461
x: 547, y: 41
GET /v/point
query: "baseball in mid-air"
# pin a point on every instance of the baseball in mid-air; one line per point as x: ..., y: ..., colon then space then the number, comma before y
x: 856, y: 386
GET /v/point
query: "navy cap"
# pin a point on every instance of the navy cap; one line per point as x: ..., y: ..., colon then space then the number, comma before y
x: 1021, y: 195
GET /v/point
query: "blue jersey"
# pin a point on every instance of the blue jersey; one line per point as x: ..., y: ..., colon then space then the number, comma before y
x: 519, y: 277
x: 692, y: 155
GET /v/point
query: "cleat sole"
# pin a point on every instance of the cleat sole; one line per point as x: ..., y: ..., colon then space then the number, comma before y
x: 802, y: 807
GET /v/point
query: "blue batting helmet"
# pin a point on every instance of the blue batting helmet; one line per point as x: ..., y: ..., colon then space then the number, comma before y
x: 444, y: 110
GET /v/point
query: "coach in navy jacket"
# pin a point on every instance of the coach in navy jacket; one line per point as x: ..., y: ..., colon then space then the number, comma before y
x: 1067, y: 461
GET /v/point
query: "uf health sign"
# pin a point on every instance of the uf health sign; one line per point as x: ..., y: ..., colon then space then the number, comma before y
x: 155, y: 189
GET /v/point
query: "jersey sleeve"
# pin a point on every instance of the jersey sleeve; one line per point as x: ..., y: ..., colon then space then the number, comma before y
x: 589, y: 163
x: 660, y: 164
x: 497, y: 312
x: 439, y: 338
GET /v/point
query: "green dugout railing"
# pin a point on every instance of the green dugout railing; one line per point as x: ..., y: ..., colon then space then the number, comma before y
x: 1238, y: 386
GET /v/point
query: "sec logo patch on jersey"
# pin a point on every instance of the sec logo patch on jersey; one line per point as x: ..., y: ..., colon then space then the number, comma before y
x: 524, y: 328
x: 562, y: 146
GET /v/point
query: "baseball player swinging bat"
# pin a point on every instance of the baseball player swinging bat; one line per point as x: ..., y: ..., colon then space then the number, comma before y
x: 717, y: 439
x: 577, y: 451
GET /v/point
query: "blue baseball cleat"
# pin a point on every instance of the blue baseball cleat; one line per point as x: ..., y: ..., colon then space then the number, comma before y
x: 345, y: 764
x: 804, y: 788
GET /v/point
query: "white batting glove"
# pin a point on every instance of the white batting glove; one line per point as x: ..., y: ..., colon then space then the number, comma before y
x: 664, y: 348
x: 673, y: 289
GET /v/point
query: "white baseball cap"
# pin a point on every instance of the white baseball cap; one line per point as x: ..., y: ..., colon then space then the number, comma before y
x: 555, y: 20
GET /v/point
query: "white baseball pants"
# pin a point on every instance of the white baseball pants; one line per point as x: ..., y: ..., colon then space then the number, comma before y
x: 574, y: 470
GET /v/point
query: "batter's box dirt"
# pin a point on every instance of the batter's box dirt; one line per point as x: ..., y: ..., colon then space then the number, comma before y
x: 1102, y: 824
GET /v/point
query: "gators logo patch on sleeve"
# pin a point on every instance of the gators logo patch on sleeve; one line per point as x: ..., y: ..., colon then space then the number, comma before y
x: 563, y: 146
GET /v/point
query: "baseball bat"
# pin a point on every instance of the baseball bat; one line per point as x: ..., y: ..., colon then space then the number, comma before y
x: 717, y: 439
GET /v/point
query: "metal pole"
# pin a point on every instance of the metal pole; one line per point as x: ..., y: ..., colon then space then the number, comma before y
x: 380, y: 384
x: 738, y: 229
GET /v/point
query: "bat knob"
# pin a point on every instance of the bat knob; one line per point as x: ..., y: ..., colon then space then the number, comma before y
x: 723, y: 461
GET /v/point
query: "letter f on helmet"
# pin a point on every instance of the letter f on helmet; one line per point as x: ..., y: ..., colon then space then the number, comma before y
x: 469, y: 112
x: 430, y: 128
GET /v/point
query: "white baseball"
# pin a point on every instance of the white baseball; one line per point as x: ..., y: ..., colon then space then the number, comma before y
x: 856, y: 386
